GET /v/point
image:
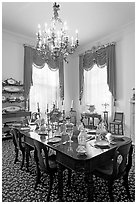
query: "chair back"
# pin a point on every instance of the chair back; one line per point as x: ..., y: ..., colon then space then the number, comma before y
x: 118, y: 117
x: 122, y: 160
x: 17, y: 138
x: 41, y: 156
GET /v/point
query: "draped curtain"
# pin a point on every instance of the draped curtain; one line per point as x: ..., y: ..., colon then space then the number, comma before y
x: 31, y: 56
x: 104, y: 56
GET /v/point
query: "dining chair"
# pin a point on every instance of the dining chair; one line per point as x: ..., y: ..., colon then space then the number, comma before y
x: 18, y: 144
x: 46, y: 163
x: 116, y: 126
x: 116, y: 168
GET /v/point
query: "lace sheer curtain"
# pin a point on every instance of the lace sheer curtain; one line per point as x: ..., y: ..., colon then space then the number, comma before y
x: 45, y: 89
x: 96, y: 90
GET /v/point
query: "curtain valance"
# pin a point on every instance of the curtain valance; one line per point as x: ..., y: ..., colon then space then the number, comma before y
x: 31, y: 56
x: 101, y: 56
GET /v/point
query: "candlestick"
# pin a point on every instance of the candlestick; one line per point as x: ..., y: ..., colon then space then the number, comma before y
x: 72, y: 104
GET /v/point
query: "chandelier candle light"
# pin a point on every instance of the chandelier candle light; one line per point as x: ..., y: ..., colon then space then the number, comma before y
x: 54, y: 41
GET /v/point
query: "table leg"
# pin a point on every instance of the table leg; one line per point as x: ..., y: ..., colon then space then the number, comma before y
x: 27, y: 158
x: 90, y: 186
x: 60, y: 182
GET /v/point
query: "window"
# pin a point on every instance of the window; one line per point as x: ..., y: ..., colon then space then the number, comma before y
x: 96, y: 90
x: 45, y: 89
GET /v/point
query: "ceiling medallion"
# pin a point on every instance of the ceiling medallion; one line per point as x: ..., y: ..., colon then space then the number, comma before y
x: 54, y: 41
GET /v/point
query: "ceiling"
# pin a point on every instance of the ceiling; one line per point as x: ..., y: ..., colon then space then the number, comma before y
x: 93, y: 20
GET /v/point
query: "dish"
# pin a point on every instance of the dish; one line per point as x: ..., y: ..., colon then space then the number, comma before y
x: 11, y: 81
x: 21, y: 98
x: 42, y: 133
x: 12, y: 98
x: 54, y: 140
x: 12, y: 88
x: 101, y: 143
x: 117, y: 136
x: 12, y: 108
x: 3, y: 98
x: 24, y: 128
x: 16, y: 124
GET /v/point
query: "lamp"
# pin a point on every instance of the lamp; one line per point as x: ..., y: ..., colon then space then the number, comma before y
x: 54, y: 41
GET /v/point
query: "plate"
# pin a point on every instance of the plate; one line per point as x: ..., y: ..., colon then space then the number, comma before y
x: 117, y: 136
x: 12, y: 98
x: 11, y: 81
x: 21, y: 98
x: 24, y: 128
x: 12, y: 88
x: 42, y: 133
x: 3, y: 98
x: 12, y: 108
x: 101, y: 143
x: 54, y: 140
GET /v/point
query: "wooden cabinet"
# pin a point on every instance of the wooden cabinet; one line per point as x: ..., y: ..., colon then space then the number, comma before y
x: 132, y: 120
x: 14, y: 104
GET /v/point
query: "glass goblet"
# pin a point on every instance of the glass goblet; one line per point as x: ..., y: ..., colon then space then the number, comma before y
x: 70, y: 135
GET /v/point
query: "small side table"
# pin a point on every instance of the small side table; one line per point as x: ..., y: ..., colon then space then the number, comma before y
x: 105, y: 113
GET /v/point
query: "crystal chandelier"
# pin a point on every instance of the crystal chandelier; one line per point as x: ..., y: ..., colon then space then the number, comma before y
x: 54, y: 41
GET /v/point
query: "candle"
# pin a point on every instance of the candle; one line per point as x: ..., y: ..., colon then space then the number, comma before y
x: 76, y: 34
x: 72, y: 104
x: 38, y: 105
x: 63, y: 106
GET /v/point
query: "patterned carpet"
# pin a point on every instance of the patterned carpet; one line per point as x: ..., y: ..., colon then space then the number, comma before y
x: 18, y: 185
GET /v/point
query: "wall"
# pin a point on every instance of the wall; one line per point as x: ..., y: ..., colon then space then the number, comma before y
x: 13, y: 55
x: 125, y: 70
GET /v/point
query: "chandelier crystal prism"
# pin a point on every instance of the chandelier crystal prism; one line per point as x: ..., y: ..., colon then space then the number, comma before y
x: 54, y: 41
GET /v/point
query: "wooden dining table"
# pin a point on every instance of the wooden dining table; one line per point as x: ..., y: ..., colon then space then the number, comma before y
x: 67, y: 155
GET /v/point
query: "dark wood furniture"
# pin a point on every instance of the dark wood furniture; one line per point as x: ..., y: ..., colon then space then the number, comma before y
x: 66, y: 155
x: 116, y: 168
x: 44, y: 163
x: 16, y: 114
x: 14, y: 119
x: 88, y: 117
x: 116, y: 126
x: 14, y: 104
x: 18, y: 144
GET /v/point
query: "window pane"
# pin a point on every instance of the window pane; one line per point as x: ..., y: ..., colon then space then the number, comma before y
x: 96, y: 90
x: 45, y: 89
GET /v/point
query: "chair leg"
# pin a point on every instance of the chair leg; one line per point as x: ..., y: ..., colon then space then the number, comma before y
x: 23, y: 158
x: 122, y: 129
x: 110, y: 184
x: 69, y: 178
x: 50, y: 186
x: 16, y: 155
x: 37, y: 178
x: 125, y: 178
